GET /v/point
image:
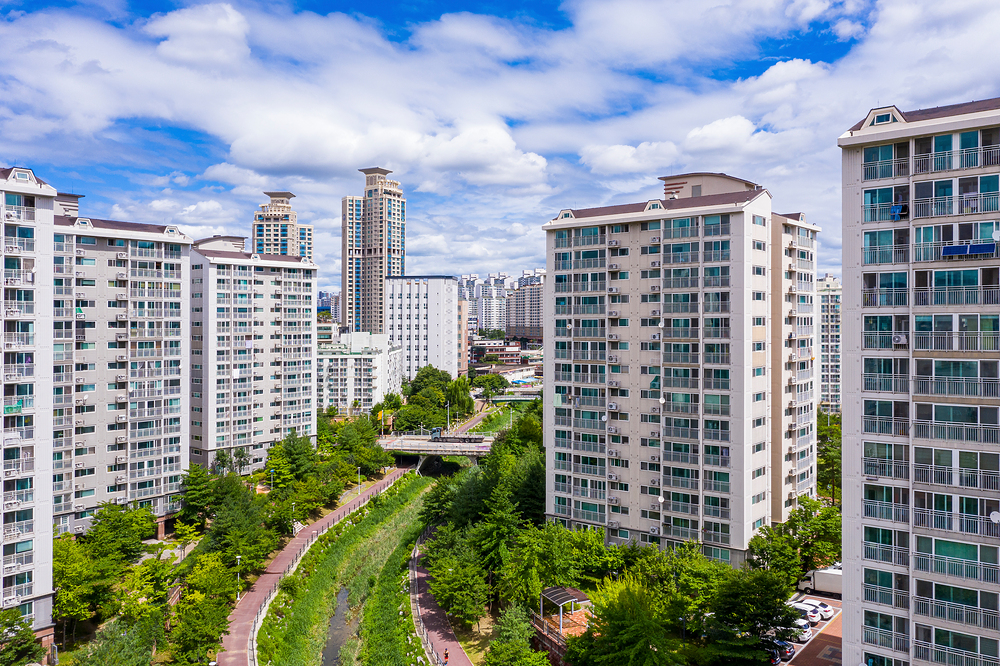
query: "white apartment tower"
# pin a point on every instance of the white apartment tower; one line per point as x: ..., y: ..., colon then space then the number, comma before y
x: 830, y: 293
x: 373, y: 247
x: 27, y: 205
x: 526, y: 308
x: 425, y: 318
x: 276, y: 229
x: 679, y: 348
x: 921, y: 463
x: 357, y: 369
x: 253, y: 347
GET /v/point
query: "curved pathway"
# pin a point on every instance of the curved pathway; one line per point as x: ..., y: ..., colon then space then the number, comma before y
x: 434, y: 621
x: 250, y: 608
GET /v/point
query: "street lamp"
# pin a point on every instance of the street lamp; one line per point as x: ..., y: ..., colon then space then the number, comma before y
x: 359, y: 482
x: 238, y: 558
x: 448, y: 407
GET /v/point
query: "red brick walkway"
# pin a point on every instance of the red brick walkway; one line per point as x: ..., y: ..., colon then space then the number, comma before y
x: 439, y: 631
x: 248, y: 609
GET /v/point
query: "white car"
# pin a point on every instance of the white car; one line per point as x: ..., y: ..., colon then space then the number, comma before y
x: 825, y: 611
x: 804, y: 633
x: 809, y: 613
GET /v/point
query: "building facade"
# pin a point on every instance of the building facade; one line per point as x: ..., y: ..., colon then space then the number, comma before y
x: 525, y: 310
x: 276, y: 229
x: 681, y: 407
x: 356, y: 371
x: 830, y: 293
x: 27, y: 206
x: 253, y: 346
x: 373, y: 247
x: 920, y: 401
x: 425, y: 318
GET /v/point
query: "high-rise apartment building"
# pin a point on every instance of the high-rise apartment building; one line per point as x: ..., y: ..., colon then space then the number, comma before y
x: 679, y: 336
x: 921, y: 398
x: 424, y: 316
x: 467, y: 292
x: 254, y: 346
x: 26, y: 206
x: 526, y: 309
x: 830, y: 293
x: 356, y: 371
x: 276, y: 229
x: 373, y: 247
x: 491, y: 302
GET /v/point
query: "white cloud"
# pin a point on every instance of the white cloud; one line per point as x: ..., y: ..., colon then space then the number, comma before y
x: 212, y: 34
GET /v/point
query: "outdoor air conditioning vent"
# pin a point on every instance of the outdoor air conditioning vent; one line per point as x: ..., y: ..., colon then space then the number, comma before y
x: 899, y: 339
x: 791, y: 494
x: 120, y: 459
x: 654, y: 433
x: 121, y: 418
x: 654, y: 530
x: 612, y: 290
x: 121, y: 500
x: 654, y: 264
x: 121, y: 398
x: 654, y: 239
x: 122, y: 276
x: 612, y: 358
x: 612, y: 429
x: 654, y: 410
x: 613, y: 406
x: 654, y: 336
x: 612, y: 313
x: 654, y: 458
x: 122, y: 255
x: 612, y: 267
x: 79, y: 528
x: 122, y: 357
x: 80, y: 380
x: 655, y: 481
x: 612, y: 243
x: 612, y: 453
x: 613, y: 383
x: 612, y: 336
x: 655, y: 313
x: 614, y: 523
x: 655, y: 287
x: 81, y: 253
x: 121, y: 439
x: 612, y: 477
x: 122, y: 296
x: 122, y: 378
x: 79, y: 422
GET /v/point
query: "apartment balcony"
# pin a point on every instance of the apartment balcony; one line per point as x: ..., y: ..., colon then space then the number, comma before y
x: 711, y: 409
x: 144, y: 492
x: 581, y: 241
x: 710, y: 281
x: 884, y: 638
x: 680, y: 358
x: 17, y: 562
x: 593, y: 355
x: 716, y: 512
x: 937, y: 654
x: 592, y: 470
x: 715, y: 537
x: 716, y: 332
x: 718, y: 359
x: 562, y: 487
x: 17, y: 214
x: 803, y: 375
x: 978, y: 295
x: 715, y: 435
x: 885, y: 596
x: 890, y: 469
x: 897, y: 513
x: 19, y: 339
x: 589, y: 516
x: 15, y: 277
x: 682, y: 533
x: 682, y: 433
x: 681, y: 507
x: 588, y: 332
x: 955, y: 522
x: 886, y: 254
x: 884, y: 298
x: 680, y: 308
x: 560, y: 510
x: 590, y: 447
x: 888, y: 554
x: 984, y: 341
x: 591, y: 493
x: 716, y: 230
x: 592, y: 378
x: 952, y: 251
x: 586, y: 309
x: 958, y: 432
x: 716, y: 486
x: 985, y: 572
x: 146, y: 453
x: 680, y: 457
x: 961, y: 386
x: 683, y: 283
x: 962, y: 204
x: 681, y: 257
x: 18, y: 529
x: 886, y: 425
x: 712, y: 383
x: 882, y: 169
x: 716, y: 306
x: 681, y: 332
x: 588, y: 263
x: 589, y: 286
x: 970, y: 616
x: 18, y: 404
x: 966, y: 158
x: 882, y: 383
x: 717, y: 460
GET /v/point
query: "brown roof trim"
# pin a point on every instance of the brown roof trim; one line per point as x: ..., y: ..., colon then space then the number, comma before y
x: 671, y: 204
x: 959, y: 109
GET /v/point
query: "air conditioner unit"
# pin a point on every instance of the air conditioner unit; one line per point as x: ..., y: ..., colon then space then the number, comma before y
x: 121, y: 418
x: 121, y: 357
x: 654, y: 287
x: 81, y: 253
x: 791, y: 471
x: 121, y: 337
x: 654, y: 264
x: 79, y: 422
x: 655, y: 313
x: 612, y: 243
x: 612, y: 267
x: 612, y: 358
x: 613, y: 524
x: 791, y: 494
x: 791, y: 449
x: 120, y: 478
x: 121, y: 398
x: 122, y: 317
x: 121, y: 439
x: 612, y: 500
x: 81, y: 274
x: 121, y: 500
x: 612, y: 453
x: 654, y: 336
x: 613, y: 383
x: 80, y: 380
x: 613, y: 290
x: 613, y: 406
x: 654, y: 433
x: 10, y: 377
x: 122, y: 275
x: 78, y: 528
x: 122, y: 255
x: 654, y: 458
x: 612, y: 313
x: 81, y: 401
x: 655, y: 481
x: 122, y: 296
x: 612, y: 429
x: 654, y: 239
x: 612, y: 336
x: 120, y: 459
x: 654, y: 530
x: 612, y: 477
x: 899, y: 339
x: 79, y: 507
x: 654, y: 410
x: 121, y: 378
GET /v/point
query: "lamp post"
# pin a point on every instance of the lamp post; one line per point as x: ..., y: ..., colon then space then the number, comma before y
x: 238, y: 558
x: 359, y: 482
x: 447, y: 406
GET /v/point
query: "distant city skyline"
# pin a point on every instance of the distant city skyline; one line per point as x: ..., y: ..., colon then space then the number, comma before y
x: 499, y: 113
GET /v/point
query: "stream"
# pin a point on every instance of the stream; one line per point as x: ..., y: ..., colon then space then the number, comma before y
x: 340, y: 630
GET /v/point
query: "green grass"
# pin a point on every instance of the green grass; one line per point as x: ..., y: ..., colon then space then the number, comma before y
x: 351, y: 555
x: 500, y: 419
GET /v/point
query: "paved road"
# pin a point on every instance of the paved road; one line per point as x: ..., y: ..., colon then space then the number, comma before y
x: 439, y: 631
x: 241, y: 620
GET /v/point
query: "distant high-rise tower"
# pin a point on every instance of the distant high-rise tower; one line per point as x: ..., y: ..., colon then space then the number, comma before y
x: 374, y: 247
x: 276, y: 229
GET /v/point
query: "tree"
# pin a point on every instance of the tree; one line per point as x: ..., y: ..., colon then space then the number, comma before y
x: 829, y: 449
x: 457, y: 394
x: 278, y: 471
x: 124, y: 644
x: 512, y: 646
x: 186, y: 535
x: 241, y: 458
x: 491, y: 358
x: 459, y: 585
x: 17, y: 641
x: 300, y: 454
x: 203, y: 611
x: 116, y: 532
x: 540, y: 557
x: 815, y: 528
x: 223, y: 462
x: 493, y: 383
x: 196, y: 500
x: 72, y: 573
x: 753, y: 602
x: 774, y: 550
x: 144, y: 588
x: 429, y: 376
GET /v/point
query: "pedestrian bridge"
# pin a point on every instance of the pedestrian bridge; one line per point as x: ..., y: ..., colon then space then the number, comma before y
x: 417, y: 445
x: 525, y: 397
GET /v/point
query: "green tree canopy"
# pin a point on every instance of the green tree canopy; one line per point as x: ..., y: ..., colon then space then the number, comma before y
x: 117, y: 531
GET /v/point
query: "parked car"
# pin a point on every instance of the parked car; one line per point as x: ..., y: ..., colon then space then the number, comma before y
x: 775, y: 657
x: 785, y: 649
x: 808, y: 612
x: 826, y: 611
x: 804, y: 632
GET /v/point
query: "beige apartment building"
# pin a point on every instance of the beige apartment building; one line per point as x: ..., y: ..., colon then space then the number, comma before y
x: 373, y: 247
x: 680, y: 339
x: 831, y: 294
x: 276, y: 229
x: 921, y: 347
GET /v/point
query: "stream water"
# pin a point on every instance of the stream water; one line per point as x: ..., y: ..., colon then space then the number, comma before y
x: 341, y: 628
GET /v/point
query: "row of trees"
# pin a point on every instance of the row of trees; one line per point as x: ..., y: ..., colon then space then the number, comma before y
x: 99, y: 576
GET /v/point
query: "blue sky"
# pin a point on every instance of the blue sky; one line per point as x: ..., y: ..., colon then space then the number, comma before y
x: 493, y: 115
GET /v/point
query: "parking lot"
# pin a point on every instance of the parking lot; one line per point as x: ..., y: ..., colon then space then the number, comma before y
x: 823, y: 649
